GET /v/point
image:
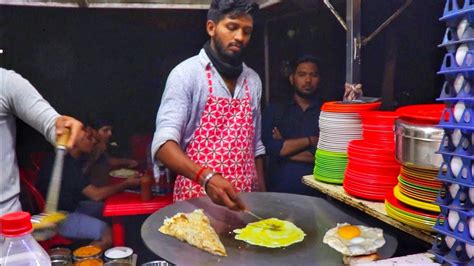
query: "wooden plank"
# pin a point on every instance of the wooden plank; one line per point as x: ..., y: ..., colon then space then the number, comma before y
x: 374, y: 209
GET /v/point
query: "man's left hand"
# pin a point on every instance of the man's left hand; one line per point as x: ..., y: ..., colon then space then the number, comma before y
x: 74, y: 126
x: 276, y: 134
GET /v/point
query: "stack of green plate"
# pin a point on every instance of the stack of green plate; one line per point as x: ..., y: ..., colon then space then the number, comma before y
x: 329, y: 166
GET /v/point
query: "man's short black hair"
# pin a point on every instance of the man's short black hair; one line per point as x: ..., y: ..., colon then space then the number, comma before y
x: 98, y: 123
x: 304, y: 59
x: 232, y: 8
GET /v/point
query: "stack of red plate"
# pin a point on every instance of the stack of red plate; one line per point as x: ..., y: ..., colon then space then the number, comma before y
x: 372, y: 170
x: 378, y: 126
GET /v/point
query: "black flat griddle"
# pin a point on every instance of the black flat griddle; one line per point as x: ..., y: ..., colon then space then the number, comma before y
x: 314, y: 216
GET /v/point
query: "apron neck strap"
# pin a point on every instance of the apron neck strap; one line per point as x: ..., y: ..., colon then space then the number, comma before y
x: 209, y: 82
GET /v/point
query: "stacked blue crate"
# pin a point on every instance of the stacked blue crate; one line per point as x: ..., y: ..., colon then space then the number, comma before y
x: 455, y: 225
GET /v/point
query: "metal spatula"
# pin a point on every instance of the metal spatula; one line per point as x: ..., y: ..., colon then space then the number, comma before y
x: 253, y: 214
x: 272, y: 226
x: 50, y: 217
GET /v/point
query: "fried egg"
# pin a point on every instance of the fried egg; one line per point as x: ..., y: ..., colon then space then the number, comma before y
x: 354, y: 240
x: 270, y: 233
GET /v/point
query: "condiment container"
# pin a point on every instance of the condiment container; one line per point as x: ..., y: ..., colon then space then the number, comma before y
x: 60, y: 256
x: 118, y: 253
x: 146, y: 182
x: 87, y: 252
x: 89, y: 262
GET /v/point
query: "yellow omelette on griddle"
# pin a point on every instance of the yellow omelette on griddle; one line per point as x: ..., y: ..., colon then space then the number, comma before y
x: 270, y: 233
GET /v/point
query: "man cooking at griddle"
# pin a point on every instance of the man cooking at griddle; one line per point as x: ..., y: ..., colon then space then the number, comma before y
x: 208, y: 124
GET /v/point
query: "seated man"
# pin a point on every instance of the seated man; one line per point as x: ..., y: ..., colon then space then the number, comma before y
x: 80, y: 198
x: 290, y: 131
x: 99, y: 162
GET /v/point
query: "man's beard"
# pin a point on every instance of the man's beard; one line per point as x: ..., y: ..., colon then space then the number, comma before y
x: 226, y: 56
x: 304, y: 95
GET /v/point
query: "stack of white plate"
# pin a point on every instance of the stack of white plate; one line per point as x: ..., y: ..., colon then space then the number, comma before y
x: 336, y: 130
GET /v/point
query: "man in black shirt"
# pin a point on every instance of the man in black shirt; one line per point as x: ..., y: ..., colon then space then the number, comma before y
x: 80, y: 198
x: 290, y: 130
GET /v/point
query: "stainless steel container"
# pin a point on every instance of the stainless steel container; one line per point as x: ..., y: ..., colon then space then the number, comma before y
x: 60, y: 256
x: 119, y: 253
x: 156, y: 263
x: 417, y: 144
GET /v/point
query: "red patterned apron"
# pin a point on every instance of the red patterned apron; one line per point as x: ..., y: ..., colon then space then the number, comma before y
x: 223, y: 142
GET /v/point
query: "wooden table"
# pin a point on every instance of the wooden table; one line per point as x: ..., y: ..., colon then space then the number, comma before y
x: 374, y: 209
x: 127, y: 204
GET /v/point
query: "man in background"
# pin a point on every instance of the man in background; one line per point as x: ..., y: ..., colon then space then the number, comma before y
x: 100, y: 161
x: 290, y: 130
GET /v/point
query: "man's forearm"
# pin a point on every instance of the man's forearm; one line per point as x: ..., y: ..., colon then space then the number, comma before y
x: 303, y: 157
x: 171, y: 155
x: 101, y: 193
x: 293, y: 146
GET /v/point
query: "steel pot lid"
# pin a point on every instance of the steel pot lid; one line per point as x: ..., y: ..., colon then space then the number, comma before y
x: 421, y: 131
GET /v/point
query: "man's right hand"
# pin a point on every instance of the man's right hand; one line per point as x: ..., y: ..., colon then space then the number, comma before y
x: 133, y: 181
x: 222, y: 192
x: 66, y: 123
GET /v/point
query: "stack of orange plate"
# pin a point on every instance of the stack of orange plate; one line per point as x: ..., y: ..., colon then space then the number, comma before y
x: 340, y: 107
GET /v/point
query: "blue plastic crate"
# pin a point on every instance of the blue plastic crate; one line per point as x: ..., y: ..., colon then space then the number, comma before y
x: 459, y: 230
x: 452, y: 39
x: 456, y: 89
x: 461, y: 199
x: 453, y: 12
x: 457, y: 142
x: 466, y: 118
x: 457, y: 254
x: 450, y: 65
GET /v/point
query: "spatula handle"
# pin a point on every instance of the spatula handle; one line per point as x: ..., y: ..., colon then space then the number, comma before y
x: 63, y: 138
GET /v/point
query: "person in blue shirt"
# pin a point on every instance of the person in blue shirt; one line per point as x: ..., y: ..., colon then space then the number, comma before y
x: 290, y: 130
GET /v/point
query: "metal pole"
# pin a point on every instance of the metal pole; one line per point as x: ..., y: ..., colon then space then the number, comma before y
x: 267, y: 63
x: 353, y: 41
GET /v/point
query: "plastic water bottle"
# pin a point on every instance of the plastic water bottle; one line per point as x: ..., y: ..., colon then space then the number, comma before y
x: 20, y: 248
